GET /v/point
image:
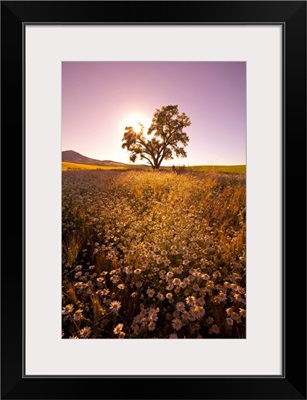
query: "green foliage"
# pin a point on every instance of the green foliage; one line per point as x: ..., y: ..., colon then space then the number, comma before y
x: 167, y: 137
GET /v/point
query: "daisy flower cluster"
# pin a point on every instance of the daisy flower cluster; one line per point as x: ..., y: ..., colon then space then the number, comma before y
x: 153, y: 255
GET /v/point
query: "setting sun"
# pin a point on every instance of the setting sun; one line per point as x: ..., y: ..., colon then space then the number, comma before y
x: 135, y: 119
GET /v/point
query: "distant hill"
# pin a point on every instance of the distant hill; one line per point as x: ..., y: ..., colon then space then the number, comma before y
x: 74, y: 157
x: 71, y: 160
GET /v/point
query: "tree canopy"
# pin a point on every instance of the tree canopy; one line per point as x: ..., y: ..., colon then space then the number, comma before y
x: 164, y: 139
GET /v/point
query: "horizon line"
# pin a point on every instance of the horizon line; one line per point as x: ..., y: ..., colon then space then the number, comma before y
x: 142, y: 164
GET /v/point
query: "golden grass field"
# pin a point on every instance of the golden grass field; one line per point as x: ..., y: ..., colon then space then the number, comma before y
x: 153, y: 254
x: 235, y: 169
x: 76, y: 166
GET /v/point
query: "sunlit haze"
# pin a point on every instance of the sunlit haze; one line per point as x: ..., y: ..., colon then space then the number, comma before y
x: 99, y: 99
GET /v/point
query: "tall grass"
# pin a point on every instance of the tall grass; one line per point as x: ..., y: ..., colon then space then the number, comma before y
x: 153, y: 255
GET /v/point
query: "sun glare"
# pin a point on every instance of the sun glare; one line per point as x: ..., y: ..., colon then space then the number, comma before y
x: 135, y: 119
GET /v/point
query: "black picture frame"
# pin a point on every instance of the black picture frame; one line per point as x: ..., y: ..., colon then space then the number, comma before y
x: 292, y: 16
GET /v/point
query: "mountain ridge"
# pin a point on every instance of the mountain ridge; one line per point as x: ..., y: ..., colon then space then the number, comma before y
x: 73, y: 156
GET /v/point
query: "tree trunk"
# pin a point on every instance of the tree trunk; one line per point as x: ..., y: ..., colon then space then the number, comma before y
x: 156, y: 164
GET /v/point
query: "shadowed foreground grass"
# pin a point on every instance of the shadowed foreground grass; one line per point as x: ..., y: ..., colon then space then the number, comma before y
x: 153, y: 255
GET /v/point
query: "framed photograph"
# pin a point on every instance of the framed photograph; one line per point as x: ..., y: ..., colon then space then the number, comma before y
x: 154, y: 183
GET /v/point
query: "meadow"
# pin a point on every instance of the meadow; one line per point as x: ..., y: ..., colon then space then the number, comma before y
x: 234, y: 169
x: 67, y: 166
x: 153, y: 254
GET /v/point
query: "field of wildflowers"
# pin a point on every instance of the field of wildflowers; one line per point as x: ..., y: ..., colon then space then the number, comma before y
x: 153, y: 255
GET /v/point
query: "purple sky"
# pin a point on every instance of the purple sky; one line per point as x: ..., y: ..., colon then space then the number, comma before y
x: 100, y: 98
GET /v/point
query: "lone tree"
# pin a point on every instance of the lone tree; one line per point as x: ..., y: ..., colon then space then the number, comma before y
x: 168, y: 137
